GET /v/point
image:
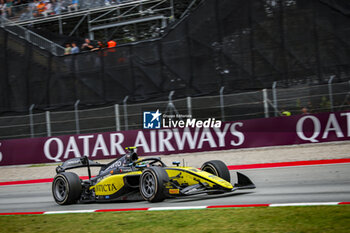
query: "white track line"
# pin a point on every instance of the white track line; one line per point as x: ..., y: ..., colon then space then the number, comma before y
x: 183, y: 208
x: 178, y: 208
x: 304, y: 204
x: 69, y: 211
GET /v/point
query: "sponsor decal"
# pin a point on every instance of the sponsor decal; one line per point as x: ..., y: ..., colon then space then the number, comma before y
x: 73, y: 162
x: 55, y: 149
x: 105, y: 188
x: 115, y: 165
x: 310, y: 128
x: 174, y: 191
x: 322, y: 131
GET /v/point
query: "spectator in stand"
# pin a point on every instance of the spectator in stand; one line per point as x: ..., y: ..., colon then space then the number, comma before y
x: 75, y: 48
x: 2, y: 8
x: 57, y: 5
x: 31, y: 9
x: 8, y: 7
x: 28, y: 14
x: 40, y: 8
x: 304, y: 110
x: 48, y: 8
x: 100, y: 45
x: 111, y: 44
x: 73, y: 5
x: 286, y: 113
x: 87, y: 46
x: 67, y: 49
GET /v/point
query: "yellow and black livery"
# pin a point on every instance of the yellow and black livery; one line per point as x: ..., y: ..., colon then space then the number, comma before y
x: 131, y: 178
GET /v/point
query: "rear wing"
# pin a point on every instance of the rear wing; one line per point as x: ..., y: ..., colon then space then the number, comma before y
x: 77, y: 163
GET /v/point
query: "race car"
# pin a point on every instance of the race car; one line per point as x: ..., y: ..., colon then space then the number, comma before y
x: 131, y: 178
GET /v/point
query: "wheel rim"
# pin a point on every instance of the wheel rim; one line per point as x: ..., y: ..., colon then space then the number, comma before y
x: 210, y: 170
x: 60, y: 189
x: 148, y: 185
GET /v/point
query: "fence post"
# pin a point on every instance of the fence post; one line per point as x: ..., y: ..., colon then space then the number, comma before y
x: 126, y: 123
x: 31, y: 121
x: 266, y: 105
x: 274, y: 94
x: 26, y: 32
x: 330, y: 91
x: 76, y: 113
x: 222, y: 103
x: 48, y: 124
x: 189, y: 106
x: 53, y: 48
x: 171, y: 107
x: 117, y: 120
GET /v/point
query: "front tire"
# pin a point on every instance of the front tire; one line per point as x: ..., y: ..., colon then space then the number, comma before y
x: 218, y: 168
x: 66, y: 188
x: 152, y: 183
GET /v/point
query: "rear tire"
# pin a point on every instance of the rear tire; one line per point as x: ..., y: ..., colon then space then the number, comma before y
x: 152, y: 183
x: 218, y: 168
x: 66, y: 188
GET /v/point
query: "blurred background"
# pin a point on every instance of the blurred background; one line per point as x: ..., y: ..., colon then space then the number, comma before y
x: 224, y: 59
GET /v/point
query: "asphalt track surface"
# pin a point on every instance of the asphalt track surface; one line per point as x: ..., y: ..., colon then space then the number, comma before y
x: 316, y: 183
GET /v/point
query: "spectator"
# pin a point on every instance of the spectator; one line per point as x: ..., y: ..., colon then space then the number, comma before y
x: 2, y: 8
x: 48, y: 9
x: 57, y: 6
x: 286, y: 113
x: 304, y: 110
x: 87, y: 46
x: 100, y: 45
x: 40, y: 8
x: 75, y: 48
x: 67, y: 49
x: 8, y: 7
x: 111, y: 44
x: 73, y: 5
x: 29, y: 13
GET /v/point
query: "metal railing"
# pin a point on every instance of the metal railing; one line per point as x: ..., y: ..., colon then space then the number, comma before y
x: 31, y: 11
x: 32, y: 37
x: 226, y: 107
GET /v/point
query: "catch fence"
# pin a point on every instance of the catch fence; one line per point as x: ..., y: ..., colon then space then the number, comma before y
x: 226, y: 107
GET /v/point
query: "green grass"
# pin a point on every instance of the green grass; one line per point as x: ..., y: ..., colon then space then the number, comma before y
x: 43, y: 164
x: 261, y: 219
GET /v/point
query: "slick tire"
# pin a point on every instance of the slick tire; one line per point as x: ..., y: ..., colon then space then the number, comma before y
x: 152, y: 183
x: 66, y: 188
x: 218, y: 168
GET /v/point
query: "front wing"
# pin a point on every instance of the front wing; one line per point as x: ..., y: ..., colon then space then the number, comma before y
x: 191, y: 181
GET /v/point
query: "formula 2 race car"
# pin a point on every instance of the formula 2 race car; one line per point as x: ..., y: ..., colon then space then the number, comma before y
x: 131, y: 178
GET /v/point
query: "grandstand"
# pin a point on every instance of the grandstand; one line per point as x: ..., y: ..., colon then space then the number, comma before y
x: 122, y: 20
x: 195, y: 49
